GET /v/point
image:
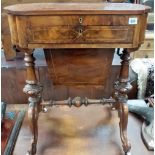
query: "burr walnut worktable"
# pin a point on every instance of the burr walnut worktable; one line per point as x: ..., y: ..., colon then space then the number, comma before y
x: 95, y: 27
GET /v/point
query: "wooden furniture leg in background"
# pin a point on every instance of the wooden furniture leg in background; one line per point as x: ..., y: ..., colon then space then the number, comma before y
x: 122, y: 87
x: 33, y: 90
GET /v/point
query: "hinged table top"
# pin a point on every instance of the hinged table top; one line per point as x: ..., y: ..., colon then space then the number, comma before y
x: 76, y: 8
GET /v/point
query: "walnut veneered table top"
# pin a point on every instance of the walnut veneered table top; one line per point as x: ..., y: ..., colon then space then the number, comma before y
x: 77, y: 25
x: 76, y: 8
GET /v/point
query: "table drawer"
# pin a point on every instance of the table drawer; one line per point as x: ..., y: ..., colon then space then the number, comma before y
x: 87, y: 20
x: 81, y: 34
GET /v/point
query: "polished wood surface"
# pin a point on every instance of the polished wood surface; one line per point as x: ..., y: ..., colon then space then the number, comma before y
x: 9, y: 52
x: 86, y: 67
x: 27, y: 35
x: 80, y: 28
x: 76, y: 8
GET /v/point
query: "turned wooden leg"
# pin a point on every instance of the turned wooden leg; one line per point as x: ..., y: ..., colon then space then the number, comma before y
x: 33, y: 90
x: 122, y: 87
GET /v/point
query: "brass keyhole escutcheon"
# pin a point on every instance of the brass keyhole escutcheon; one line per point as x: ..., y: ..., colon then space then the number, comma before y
x: 80, y: 31
x: 80, y: 20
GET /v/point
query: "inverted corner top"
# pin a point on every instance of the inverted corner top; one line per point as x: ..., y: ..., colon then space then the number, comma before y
x: 76, y: 8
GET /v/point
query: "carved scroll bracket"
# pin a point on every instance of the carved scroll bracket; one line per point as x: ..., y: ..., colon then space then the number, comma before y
x: 122, y: 87
x: 32, y: 89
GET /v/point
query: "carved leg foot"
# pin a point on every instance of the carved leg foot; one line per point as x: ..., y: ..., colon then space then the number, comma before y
x: 123, y: 114
x: 33, y: 119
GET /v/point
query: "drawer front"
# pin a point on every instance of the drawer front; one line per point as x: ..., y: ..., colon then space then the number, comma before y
x: 85, y: 20
x: 81, y: 34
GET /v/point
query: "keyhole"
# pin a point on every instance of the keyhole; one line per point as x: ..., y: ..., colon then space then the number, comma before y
x: 80, y: 20
x: 80, y: 31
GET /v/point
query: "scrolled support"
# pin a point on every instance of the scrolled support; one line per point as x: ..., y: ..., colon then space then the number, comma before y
x: 34, y: 91
x: 122, y: 87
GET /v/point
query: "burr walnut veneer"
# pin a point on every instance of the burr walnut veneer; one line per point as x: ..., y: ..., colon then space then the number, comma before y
x: 69, y: 33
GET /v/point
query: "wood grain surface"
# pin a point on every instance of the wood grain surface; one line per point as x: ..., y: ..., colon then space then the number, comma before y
x: 58, y: 26
x: 6, y: 38
x: 76, y: 8
x: 79, y: 67
x: 25, y: 35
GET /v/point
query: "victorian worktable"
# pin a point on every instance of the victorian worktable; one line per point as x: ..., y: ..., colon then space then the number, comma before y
x: 70, y: 28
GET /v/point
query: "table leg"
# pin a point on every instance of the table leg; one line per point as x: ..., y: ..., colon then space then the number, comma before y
x: 33, y: 90
x: 122, y: 87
